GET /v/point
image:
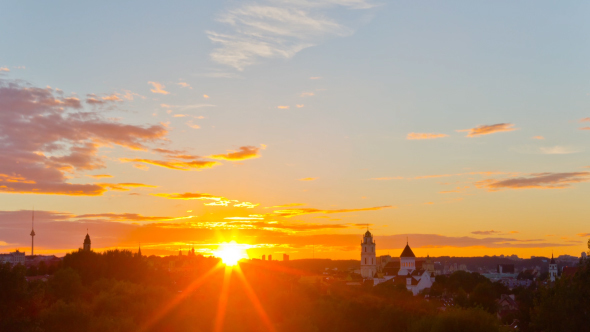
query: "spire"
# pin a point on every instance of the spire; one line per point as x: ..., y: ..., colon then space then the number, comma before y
x: 139, y: 251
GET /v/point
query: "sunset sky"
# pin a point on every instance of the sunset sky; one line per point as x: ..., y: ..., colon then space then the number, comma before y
x: 290, y: 125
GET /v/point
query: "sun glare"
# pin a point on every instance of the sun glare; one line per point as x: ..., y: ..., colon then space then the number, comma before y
x: 231, y: 253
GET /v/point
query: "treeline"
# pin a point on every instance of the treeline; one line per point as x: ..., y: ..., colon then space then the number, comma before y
x: 121, y: 291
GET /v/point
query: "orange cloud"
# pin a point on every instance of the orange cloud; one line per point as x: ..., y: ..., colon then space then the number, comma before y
x: 100, y: 176
x: 315, y: 78
x: 184, y: 85
x: 585, y: 120
x: 583, y: 234
x: 113, y: 97
x: 388, y: 178
x: 283, y: 107
x: 536, y: 181
x: 308, y: 179
x: 4, y: 69
x: 285, y: 205
x: 300, y: 105
x: 307, y: 94
x: 189, y: 196
x: 585, y: 128
x: 126, y: 217
x: 205, y: 96
x: 176, y: 164
x: 125, y: 186
x: 538, y: 137
x: 46, y: 136
x: 489, y: 129
x: 216, y: 200
x: 297, y: 212
x: 158, y: 88
x: 243, y: 153
x: 425, y: 136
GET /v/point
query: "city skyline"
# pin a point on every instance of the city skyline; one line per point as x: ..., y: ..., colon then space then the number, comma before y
x: 289, y: 127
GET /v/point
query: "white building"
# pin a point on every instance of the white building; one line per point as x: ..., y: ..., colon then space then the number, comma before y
x: 16, y: 257
x: 415, y: 279
x: 368, y: 256
x: 552, y: 269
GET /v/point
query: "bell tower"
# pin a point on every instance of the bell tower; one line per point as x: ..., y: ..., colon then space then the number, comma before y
x: 368, y: 256
x: 87, y: 242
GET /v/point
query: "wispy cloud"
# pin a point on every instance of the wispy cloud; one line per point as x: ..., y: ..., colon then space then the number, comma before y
x: 193, y: 165
x: 425, y: 136
x: 158, y: 88
x: 490, y: 232
x: 488, y: 129
x: 297, y: 212
x: 216, y: 200
x: 243, y: 153
x: 184, y: 85
x: 4, y: 69
x: 558, y: 150
x: 275, y: 29
x: 538, y: 137
x: 308, y: 179
x: 536, y: 181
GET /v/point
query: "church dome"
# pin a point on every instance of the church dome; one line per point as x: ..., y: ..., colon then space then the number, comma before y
x: 407, y: 252
x: 87, y: 239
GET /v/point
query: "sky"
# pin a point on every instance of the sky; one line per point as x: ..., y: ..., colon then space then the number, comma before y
x: 290, y: 126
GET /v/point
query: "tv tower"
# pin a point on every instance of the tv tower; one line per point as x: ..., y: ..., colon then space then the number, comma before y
x: 33, y: 234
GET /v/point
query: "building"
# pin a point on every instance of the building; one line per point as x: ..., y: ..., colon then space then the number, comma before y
x: 285, y: 258
x: 505, y: 268
x: 368, y: 256
x: 14, y: 258
x: 428, y: 265
x: 87, y: 242
x: 552, y: 269
x: 416, y: 276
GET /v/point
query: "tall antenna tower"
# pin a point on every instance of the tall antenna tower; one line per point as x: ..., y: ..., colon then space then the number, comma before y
x: 33, y: 233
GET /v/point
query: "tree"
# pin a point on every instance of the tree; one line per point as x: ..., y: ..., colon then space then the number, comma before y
x: 66, y: 284
x: 565, y: 305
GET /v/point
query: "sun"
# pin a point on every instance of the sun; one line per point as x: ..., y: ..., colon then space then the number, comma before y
x: 230, y: 253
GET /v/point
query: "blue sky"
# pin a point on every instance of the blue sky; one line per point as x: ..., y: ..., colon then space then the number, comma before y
x: 327, y: 90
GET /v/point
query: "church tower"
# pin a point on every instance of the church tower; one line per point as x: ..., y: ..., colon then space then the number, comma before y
x: 87, y: 242
x: 407, y: 261
x: 552, y: 269
x: 368, y: 256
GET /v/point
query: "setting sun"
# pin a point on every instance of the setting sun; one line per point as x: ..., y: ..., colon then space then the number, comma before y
x: 231, y: 253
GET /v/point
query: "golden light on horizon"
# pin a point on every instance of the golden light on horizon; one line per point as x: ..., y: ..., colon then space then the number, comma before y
x: 231, y: 253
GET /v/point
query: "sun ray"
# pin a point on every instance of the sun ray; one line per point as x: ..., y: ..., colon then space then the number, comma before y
x: 222, y: 305
x: 181, y: 296
x: 254, y: 299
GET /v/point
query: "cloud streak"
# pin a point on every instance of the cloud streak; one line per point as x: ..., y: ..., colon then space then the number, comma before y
x: 535, y: 181
x: 414, y: 136
x: 489, y: 129
x: 275, y: 29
